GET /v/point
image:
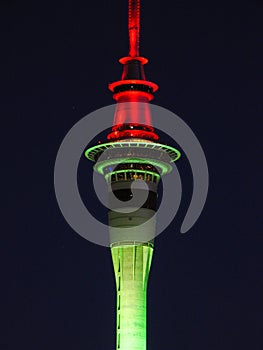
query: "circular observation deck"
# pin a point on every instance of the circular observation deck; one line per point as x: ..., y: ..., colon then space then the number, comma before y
x: 111, y: 154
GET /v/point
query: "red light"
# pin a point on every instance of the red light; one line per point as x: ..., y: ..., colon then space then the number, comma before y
x: 133, y: 96
x: 118, y: 83
x: 133, y: 87
x: 138, y: 134
x: 125, y: 60
x: 134, y: 27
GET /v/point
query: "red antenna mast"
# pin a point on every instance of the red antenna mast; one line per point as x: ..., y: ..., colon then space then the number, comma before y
x: 133, y: 120
x: 134, y: 27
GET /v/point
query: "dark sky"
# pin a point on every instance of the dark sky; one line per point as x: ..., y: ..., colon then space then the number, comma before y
x: 206, y: 287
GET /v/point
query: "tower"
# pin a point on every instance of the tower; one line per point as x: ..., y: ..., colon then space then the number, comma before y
x: 132, y: 155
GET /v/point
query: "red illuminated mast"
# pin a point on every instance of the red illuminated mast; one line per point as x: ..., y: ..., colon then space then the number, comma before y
x: 134, y: 27
x: 133, y: 120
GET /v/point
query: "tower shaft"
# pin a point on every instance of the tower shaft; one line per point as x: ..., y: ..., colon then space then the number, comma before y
x: 132, y: 253
x: 131, y: 267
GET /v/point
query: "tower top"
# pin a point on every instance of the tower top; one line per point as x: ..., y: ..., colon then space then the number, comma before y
x: 133, y: 120
x: 134, y: 27
x: 134, y: 35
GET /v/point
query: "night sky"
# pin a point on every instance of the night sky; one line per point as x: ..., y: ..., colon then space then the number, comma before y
x: 206, y: 287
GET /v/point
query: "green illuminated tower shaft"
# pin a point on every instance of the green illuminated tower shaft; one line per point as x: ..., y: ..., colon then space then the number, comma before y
x: 131, y: 266
x: 131, y: 254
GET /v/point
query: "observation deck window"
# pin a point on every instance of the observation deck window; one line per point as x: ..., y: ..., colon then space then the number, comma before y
x: 120, y: 176
x: 149, y: 177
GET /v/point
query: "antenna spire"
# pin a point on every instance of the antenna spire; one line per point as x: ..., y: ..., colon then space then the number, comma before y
x: 133, y: 120
x: 134, y: 27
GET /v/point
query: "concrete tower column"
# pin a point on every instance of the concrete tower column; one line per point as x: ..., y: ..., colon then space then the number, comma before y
x: 131, y: 266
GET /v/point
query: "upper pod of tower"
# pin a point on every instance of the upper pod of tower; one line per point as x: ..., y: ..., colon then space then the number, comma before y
x: 132, y: 139
x: 133, y: 120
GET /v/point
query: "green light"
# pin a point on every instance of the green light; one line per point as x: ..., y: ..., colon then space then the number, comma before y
x: 165, y: 167
x: 131, y: 266
x: 135, y: 171
x: 91, y: 152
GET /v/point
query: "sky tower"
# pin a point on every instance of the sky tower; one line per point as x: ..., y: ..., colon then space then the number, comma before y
x: 132, y: 153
